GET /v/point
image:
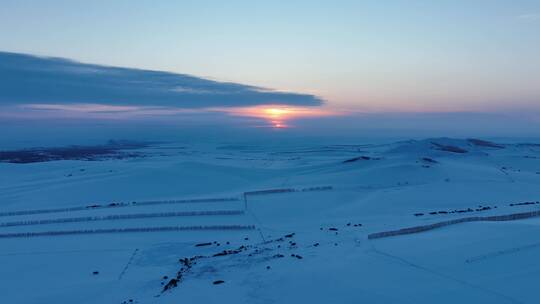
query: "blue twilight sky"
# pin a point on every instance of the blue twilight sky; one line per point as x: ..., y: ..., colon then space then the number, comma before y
x: 419, y: 56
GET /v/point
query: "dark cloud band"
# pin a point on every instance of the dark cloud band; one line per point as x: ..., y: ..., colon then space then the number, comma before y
x: 32, y: 79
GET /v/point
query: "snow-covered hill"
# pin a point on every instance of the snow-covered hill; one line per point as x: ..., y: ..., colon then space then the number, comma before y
x: 252, y: 224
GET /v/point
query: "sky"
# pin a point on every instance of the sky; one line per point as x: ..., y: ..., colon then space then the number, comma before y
x: 340, y: 57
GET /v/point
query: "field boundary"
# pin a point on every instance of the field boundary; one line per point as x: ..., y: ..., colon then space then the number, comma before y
x: 283, y: 190
x: 164, y: 202
x: 288, y: 190
x: 422, y: 228
x: 126, y: 230
x: 118, y: 205
x: 121, y: 217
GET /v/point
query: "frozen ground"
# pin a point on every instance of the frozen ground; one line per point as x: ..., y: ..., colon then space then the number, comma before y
x: 306, y: 243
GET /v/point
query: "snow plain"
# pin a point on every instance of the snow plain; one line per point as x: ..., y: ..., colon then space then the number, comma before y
x: 306, y: 243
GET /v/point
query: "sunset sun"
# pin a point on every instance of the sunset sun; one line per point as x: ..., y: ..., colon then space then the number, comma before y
x: 279, y: 117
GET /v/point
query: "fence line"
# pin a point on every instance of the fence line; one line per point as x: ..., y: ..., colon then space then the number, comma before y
x: 116, y: 205
x: 121, y: 217
x: 187, y: 201
x: 417, y: 229
x: 161, y: 202
x: 269, y: 191
x: 126, y: 230
x: 287, y: 190
x: 320, y: 188
x: 282, y: 190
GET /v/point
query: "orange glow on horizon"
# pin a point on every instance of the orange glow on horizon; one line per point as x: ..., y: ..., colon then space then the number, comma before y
x: 277, y: 115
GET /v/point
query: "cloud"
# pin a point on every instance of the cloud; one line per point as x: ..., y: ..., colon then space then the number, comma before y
x: 529, y: 17
x: 86, y: 108
x: 26, y: 79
